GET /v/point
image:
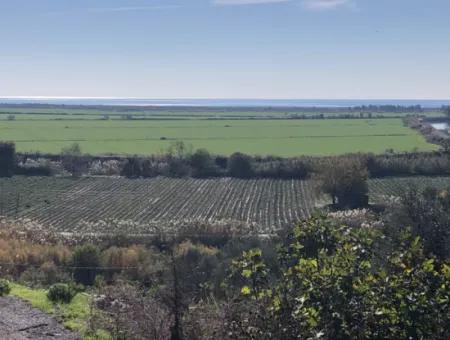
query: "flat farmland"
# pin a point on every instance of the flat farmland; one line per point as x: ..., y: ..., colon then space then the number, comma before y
x: 147, y: 206
x: 144, y: 205
x: 219, y: 136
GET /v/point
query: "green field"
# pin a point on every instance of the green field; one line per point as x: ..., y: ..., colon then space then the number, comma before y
x: 262, y: 137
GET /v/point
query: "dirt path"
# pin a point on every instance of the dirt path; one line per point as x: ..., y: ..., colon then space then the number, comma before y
x: 19, y: 321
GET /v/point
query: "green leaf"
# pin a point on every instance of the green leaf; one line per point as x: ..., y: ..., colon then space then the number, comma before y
x: 245, y: 290
x: 247, y: 273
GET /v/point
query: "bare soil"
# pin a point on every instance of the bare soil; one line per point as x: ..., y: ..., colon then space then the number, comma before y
x: 20, y: 321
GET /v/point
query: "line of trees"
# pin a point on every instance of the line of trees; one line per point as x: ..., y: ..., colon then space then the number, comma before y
x: 181, y: 161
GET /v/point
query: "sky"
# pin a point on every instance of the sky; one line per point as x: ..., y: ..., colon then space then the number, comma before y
x: 273, y: 49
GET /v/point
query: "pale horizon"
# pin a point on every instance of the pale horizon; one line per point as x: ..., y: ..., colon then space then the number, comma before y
x: 277, y: 49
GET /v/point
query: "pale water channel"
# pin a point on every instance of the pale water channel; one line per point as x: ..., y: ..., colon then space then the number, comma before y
x: 441, y: 126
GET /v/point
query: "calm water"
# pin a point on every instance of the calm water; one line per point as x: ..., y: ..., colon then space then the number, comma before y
x: 441, y: 126
x: 223, y: 102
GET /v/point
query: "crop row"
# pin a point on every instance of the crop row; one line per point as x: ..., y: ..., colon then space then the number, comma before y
x: 63, y: 203
x: 105, y: 204
x: 380, y: 189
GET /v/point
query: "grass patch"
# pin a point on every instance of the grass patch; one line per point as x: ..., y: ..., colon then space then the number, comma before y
x: 73, y: 315
x: 263, y: 137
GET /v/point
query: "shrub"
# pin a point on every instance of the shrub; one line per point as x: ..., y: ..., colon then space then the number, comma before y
x: 105, y: 168
x: 340, y: 282
x: 7, y: 159
x: 221, y: 162
x: 47, y: 274
x: 203, y: 164
x: 150, y: 168
x: 178, y: 167
x: 128, y: 313
x: 240, y: 166
x: 61, y: 292
x: 345, y: 180
x: 5, y: 288
x: 427, y: 212
x: 86, y: 260
x: 132, y: 168
x: 73, y: 161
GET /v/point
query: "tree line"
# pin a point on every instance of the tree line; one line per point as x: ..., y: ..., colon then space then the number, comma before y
x: 180, y: 160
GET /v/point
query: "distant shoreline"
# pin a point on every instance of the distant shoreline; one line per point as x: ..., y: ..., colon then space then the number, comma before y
x: 218, y: 103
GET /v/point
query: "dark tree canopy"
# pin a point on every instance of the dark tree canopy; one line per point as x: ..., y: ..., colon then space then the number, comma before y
x: 345, y: 180
x: 240, y: 166
x: 203, y: 164
x: 73, y: 161
x: 7, y: 159
x: 86, y: 260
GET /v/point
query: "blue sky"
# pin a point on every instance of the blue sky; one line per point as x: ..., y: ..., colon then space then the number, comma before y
x: 362, y: 49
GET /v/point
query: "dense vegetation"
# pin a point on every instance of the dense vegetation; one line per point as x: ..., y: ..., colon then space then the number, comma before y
x: 192, y: 111
x: 7, y: 159
x: 187, y: 244
x: 180, y: 160
x: 333, y: 277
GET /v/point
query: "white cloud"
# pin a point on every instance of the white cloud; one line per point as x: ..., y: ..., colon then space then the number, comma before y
x: 130, y: 8
x: 245, y: 2
x: 324, y: 4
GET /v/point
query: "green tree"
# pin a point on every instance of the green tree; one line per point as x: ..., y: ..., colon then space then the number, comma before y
x: 203, y: 164
x: 345, y: 180
x: 132, y: 167
x: 73, y: 161
x: 179, y: 149
x: 7, y: 159
x: 427, y: 213
x: 240, y: 166
x: 339, y: 282
x: 251, y: 270
x: 86, y: 261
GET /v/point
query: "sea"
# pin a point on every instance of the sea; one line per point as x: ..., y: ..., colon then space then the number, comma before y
x: 223, y: 102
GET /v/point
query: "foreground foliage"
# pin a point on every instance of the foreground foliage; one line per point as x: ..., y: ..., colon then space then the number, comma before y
x: 350, y: 274
x: 5, y: 288
x: 339, y: 282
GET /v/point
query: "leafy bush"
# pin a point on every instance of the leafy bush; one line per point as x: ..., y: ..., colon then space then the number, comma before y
x: 105, y: 168
x: 132, y: 168
x: 427, y: 212
x: 61, y: 292
x: 37, y: 167
x: 129, y: 313
x: 345, y: 180
x: 203, y: 164
x: 240, y: 166
x: 5, y: 289
x: 340, y: 282
x: 86, y: 260
x: 47, y: 274
x: 73, y: 161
